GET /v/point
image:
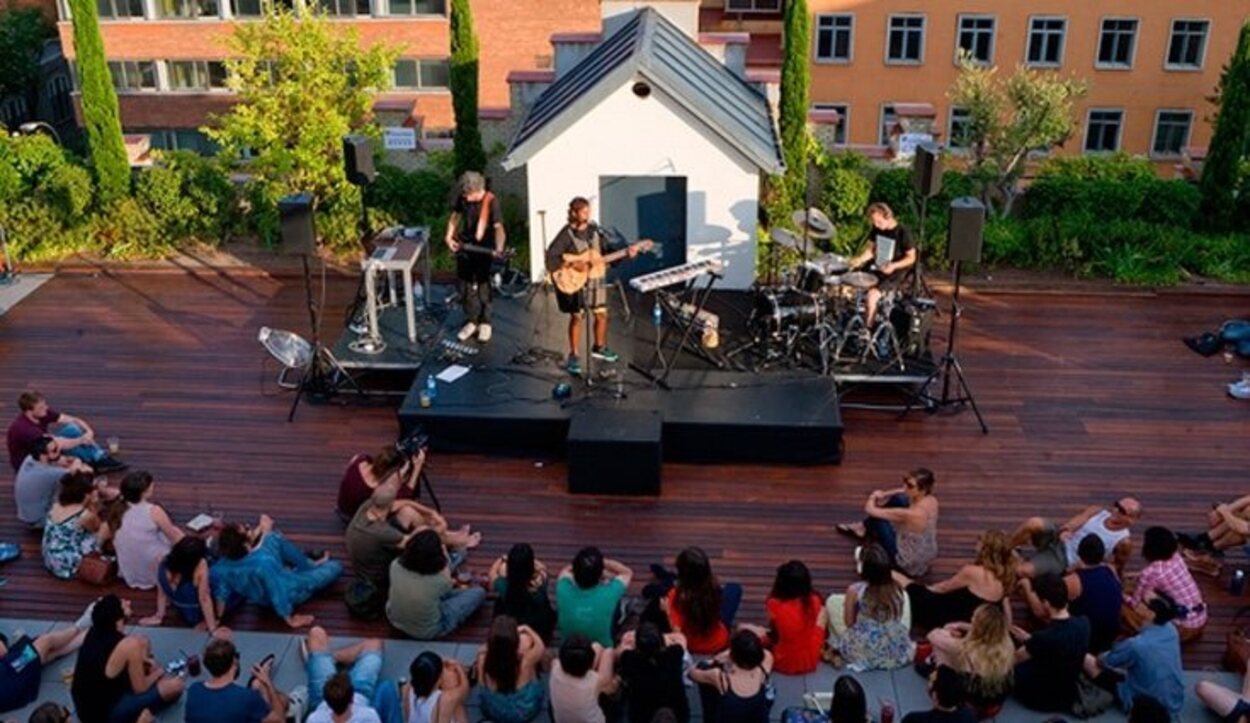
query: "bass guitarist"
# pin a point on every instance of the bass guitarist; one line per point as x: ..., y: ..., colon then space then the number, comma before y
x: 577, y: 251
x: 475, y: 217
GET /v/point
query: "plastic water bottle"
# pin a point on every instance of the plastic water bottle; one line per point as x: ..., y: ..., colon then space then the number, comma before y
x: 657, y: 314
x: 431, y: 387
x: 418, y: 295
x: 1237, y: 585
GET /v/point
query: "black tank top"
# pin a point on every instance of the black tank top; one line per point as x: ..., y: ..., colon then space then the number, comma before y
x: 95, y: 694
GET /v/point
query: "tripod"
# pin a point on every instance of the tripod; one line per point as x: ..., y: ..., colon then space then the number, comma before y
x: 946, y: 367
x: 324, y: 372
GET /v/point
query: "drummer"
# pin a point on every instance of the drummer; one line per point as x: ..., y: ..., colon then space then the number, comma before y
x: 893, y: 266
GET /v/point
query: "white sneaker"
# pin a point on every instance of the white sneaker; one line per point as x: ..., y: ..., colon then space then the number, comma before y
x: 466, y: 331
x: 483, y: 333
x: 84, y: 621
x: 1239, y: 390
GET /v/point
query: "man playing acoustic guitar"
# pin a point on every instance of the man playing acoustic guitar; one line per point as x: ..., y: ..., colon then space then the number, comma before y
x: 577, y: 265
x: 475, y: 234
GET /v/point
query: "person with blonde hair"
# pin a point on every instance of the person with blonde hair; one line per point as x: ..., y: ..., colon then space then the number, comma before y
x: 987, y: 579
x: 890, y: 256
x: 983, y: 651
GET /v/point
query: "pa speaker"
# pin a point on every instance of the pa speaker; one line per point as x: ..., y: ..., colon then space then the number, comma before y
x: 966, y: 230
x: 927, y: 170
x: 298, y: 233
x: 358, y: 160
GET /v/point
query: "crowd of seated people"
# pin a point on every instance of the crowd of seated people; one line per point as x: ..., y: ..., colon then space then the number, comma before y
x: 582, y: 648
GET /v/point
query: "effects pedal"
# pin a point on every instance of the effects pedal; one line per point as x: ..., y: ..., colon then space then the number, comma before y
x: 459, y: 348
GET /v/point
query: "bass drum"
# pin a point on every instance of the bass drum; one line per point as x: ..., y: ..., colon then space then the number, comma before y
x: 776, y: 311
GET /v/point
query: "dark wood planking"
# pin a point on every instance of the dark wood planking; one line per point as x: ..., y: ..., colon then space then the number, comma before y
x: 1087, y: 396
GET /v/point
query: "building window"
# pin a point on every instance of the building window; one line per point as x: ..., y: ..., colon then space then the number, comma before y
x: 197, y: 75
x: 844, y: 119
x: 180, y: 139
x: 1102, y: 131
x: 12, y: 111
x: 422, y: 74
x: 120, y: 9
x: 834, y: 38
x: 905, y: 43
x: 1171, y: 132
x: 976, y: 37
x: 957, y: 133
x: 1187, y: 48
x: 753, y: 6
x: 1046, y: 37
x: 416, y: 7
x: 59, y: 90
x: 888, y: 120
x: 187, y: 9
x: 345, y: 8
x: 1115, y: 44
x: 132, y: 76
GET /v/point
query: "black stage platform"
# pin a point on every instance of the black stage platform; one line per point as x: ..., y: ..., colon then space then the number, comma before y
x: 505, y: 403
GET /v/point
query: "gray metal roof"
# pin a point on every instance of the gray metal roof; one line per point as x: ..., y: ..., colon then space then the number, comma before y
x: 651, y: 46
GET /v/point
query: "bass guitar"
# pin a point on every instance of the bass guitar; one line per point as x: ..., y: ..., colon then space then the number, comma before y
x: 486, y: 250
x: 590, y: 264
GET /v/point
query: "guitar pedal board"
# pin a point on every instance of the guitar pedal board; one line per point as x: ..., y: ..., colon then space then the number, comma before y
x: 458, y: 348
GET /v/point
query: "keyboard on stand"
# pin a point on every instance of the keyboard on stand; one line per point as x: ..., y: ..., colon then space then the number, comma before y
x: 673, y: 275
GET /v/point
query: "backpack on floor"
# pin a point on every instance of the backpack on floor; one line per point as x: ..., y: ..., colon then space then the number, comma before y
x: 364, y: 600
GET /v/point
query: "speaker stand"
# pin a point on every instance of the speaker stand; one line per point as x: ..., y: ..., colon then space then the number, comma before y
x: 322, y: 375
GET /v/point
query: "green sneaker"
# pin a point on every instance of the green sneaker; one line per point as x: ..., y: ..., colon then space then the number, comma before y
x: 574, y: 366
x: 605, y: 354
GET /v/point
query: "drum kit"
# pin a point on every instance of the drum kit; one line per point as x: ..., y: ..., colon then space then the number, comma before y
x: 813, y: 313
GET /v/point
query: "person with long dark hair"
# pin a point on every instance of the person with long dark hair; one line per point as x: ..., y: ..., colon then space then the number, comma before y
x: 182, y: 580
x: 651, y: 667
x: 870, y: 628
x: 423, y: 600
x: 73, y: 528
x: 735, y: 686
x: 507, y: 667
x: 143, y: 533
x: 437, y: 691
x: 796, y: 621
x: 519, y: 581
x: 698, y: 606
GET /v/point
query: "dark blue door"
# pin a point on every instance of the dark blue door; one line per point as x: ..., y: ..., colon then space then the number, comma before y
x: 637, y: 207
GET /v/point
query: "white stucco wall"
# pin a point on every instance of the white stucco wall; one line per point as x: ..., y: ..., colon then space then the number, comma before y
x: 630, y: 136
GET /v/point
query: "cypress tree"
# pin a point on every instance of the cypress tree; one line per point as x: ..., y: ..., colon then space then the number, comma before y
x: 469, y: 154
x: 1230, y: 143
x: 99, y: 105
x: 794, y: 104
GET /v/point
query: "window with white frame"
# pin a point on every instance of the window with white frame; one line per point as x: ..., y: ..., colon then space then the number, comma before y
x: 344, y: 8
x: 415, y: 7
x: 1171, y: 132
x: 1046, y: 36
x: 133, y: 76
x: 1102, y: 130
x: 834, y: 38
x: 201, y: 75
x: 187, y: 9
x: 844, y: 118
x: 422, y: 74
x: 905, y: 42
x: 1188, y: 44
x: 976, y: 37
x: 959, y: 128
x: 753, y: 6
x: 1116, y: 43
x: 120, y: 9
x: 888, y: 120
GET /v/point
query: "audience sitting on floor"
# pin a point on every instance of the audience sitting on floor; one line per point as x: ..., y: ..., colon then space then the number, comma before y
x: 373, y: 542
x: 989, y: 579
x: 219, y: 699
x: 698, y: 606
x: 355, y: 694
x: 849, y: 703
x: 581, y: 676
x: 73, y: 528
x: 143, y: 532
x: 586, y: 600
x: 1147, y: 664
x: 74, y: 436
x: 1231, y: 706
x: 51, y: 713
x: 424, y: 600
x: 22, y: 662
x: 116, y: 678
x: 519, y: 582
x: 184, y: 582
x: 1095, y: 592
x: 366, y: 473
x: 1148, y: 709
x: 797, y: 621
x: 1054, y: 547
x: 1050, y: 659
x: 1228, y: 526
x: 735, y: 686
x: 35, y: 485
x: 903, y: 521
x: 983, y: 652
x: 436, y: 692
x: 651, y: 665
x: 870, y: 624
x: 260, y: 566
x: 1166, y: 573
x: 508, y: 671
x: 946, y: 691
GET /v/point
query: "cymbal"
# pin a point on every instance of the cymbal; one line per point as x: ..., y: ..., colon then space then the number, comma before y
x: 818, y: 224
x: 785, y: 237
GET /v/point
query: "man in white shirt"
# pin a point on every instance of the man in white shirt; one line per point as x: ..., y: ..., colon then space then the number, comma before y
x: 342, y: 704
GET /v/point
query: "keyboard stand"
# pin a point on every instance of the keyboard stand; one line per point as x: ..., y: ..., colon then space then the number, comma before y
x: 677, y: 324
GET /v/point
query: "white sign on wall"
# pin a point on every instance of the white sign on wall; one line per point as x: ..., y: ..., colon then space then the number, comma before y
x: 907, y: 143
x: 399, y: 139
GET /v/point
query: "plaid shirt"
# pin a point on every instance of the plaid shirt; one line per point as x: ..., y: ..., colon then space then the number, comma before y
x: 1172, y: 577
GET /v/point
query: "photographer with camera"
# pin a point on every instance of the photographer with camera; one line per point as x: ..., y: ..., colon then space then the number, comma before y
x: 398, y: 463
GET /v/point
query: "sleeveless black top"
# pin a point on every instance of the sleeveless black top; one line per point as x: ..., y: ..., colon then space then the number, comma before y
x: 95, y: 694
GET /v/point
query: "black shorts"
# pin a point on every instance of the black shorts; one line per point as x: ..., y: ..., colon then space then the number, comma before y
x: 19, y: 688
x: 572, y: 303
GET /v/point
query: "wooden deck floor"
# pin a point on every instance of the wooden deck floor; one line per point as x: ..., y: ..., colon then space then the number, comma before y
x: 1087, y: 398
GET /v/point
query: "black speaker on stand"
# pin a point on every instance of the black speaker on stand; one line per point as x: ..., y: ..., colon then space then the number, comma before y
x: 966, y: 231
x: 927, y: 180
x: 358, y: 167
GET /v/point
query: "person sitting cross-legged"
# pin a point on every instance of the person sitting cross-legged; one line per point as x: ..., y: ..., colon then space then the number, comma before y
x: 424, y: 601
x: 1149, y: 663
x: 586, y: 600
x: 259, y: 565
x: 1166, y: 573
x: 437, y: 690
x: 22, y: 662
x: 35, y: 486
x: 869, y: 625
x: 1095, y: 592
x: 582, y: 674
x: 1055, y: 546
x: 519, y: 582
x: 73, y: 529
x: 36, y: 419
x: 699, y: 606
x: 143, y: 532
x: 1050, y: 659
x: 220, y: 700
x: 797, y: 621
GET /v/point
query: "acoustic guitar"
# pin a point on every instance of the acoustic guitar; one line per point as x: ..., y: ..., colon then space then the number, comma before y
x: 590, y: 264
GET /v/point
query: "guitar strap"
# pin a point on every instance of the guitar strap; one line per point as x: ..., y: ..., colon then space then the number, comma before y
x: 483, y: 218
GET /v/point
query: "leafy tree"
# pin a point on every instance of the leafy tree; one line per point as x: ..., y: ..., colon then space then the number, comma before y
x: 1223, y: 172
x: 100, y: 113
x: 1008, y: 118
x: 470, y: 156
x: 790, y: 191
x: 22, y: 32
x: 302, y: 85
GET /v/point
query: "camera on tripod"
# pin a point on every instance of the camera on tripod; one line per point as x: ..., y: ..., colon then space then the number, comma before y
x: 413, y: 443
